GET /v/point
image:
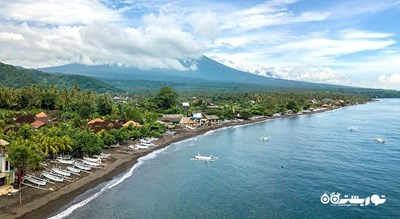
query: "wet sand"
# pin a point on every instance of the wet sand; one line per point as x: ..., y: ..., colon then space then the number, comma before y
x: 42, y: 204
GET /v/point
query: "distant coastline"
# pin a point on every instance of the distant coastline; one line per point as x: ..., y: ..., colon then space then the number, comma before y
x: 50, y: 203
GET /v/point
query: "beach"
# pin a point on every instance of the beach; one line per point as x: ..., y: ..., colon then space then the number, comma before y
x: 42, y: 204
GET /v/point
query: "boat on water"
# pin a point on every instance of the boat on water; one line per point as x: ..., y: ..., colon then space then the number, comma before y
x: 379, y: 140
x: 60, y: 171
x: 53, y: 177
x: 265, y: 138
x: 352, y: 129
x: 204, y: 158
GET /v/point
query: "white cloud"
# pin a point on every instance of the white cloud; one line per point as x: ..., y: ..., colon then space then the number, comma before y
x: 270, y: 13
x: 98, y: 43
x: 205, y: 24
x: 390, y: 81
x: 57, y: 12
x: 359, y: 34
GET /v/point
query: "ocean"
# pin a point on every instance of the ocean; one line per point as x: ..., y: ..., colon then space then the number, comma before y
x: 308, y: 156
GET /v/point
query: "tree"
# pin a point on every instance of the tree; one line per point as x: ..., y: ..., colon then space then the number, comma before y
x: 88, y: 142
x: 104, y: 105
x: 166, y: 98
x: 22, y: 155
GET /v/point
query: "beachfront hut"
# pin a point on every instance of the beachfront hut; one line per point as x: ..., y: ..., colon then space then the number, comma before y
x: 325, y: 105
x: 187, y: 121
x: 211, y: 119
x: 37, y: 124
x: 133, y: 123
x: 171, y: 118
x: 7, y: 175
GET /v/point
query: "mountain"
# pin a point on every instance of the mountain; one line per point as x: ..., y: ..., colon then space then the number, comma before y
x: 12, y: 76
x: 208, y: 75
x: 206, y: 70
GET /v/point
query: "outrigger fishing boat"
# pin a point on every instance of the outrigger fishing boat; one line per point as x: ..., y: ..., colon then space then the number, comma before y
x: 50, y: 176
x: 204, y: 158
x: 83, y: 166
x: 61, y: 172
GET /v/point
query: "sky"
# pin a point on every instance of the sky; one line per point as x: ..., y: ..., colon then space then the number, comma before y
x: 348, y: 42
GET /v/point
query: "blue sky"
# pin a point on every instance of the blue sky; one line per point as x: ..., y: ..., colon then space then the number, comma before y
x: 350, y: 42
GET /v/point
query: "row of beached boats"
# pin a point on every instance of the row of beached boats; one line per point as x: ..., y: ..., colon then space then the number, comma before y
x: 57, y: 174
x: 143, y: 144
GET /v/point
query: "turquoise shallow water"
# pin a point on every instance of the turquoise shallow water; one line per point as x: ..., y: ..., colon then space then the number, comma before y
x: 283, y: 178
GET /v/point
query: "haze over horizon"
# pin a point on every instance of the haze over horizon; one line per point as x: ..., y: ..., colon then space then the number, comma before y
x: 338, y: 42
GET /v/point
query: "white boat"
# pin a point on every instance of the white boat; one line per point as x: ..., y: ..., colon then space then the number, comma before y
x: 380, y: 140
x: 50, y: 176
x: 265, y: 138
x: 64, y: 161
x: 102, y: 156
x: 82, y: 166
x: 94, y: 160
x: 35, y: 180
x: 61, y: 172
x: 140, y: 146
x: 147, y: 144
x: 91, y: 164
x: 204, y: 158
x: 133, y: 147
x: 352, y: 129
x: 74, y: 170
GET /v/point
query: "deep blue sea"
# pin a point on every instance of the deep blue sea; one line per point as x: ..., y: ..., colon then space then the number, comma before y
x: 283, y: 178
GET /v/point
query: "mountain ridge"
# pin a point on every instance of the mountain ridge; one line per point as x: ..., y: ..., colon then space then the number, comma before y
x: 16, y: 76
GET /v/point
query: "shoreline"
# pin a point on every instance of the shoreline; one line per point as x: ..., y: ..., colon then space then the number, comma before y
x: 50, y: 203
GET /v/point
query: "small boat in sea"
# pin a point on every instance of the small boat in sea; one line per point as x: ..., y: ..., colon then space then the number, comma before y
x: 379, y: 140
x: 352, y: 129
x: 60, y: 171
x: 265, y: 138
x: 53, y: 177
x: 204, y: 158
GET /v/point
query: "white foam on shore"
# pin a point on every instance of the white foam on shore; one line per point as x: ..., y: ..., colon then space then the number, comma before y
x: 109, y: 185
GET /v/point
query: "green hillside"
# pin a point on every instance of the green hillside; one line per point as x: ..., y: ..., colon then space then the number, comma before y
x: 17, y: 77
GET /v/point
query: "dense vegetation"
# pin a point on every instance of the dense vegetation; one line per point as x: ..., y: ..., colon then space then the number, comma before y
x: 11, y: 76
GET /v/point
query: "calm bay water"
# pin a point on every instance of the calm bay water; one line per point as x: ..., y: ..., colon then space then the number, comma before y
x: 283, y: 178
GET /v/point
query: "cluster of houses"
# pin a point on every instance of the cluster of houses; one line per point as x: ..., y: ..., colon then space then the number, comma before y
x: 36, y: 121
x: 196, y: 120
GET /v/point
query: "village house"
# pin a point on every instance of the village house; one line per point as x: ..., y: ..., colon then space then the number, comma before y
x: 37, y: 124
x: 133, y: 123
x: 42, y: 117
x: 211, y: 119
x: 171, y: 118
x: 185, y: 105
x: 187, y: 121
